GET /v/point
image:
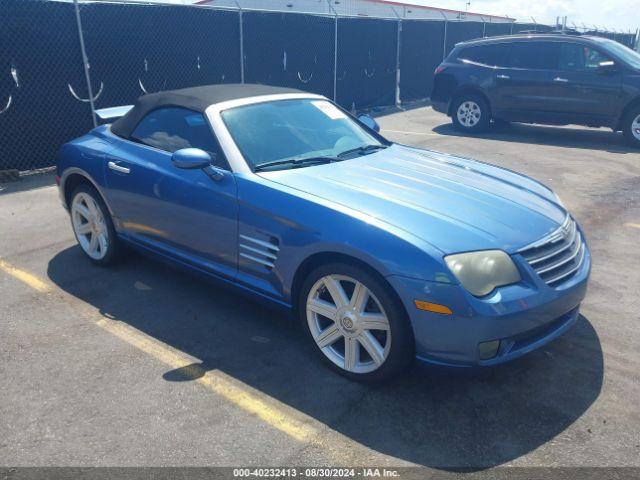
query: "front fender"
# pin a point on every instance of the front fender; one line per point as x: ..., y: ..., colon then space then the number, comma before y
x: 85, y: 156
x: 300, y: 225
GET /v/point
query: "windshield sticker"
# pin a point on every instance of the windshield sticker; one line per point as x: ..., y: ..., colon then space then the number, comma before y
x: 329, y: 110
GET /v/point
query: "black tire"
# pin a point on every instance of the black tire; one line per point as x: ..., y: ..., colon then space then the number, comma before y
x: 113, y: 249
x: 482, y: 123
x: 402, y: 345
x: 627, y: 129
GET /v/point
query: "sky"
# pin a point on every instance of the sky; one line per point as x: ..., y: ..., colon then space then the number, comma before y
x: 614, y: 14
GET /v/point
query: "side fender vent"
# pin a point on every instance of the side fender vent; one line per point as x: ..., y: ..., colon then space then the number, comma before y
x: 263, y: 252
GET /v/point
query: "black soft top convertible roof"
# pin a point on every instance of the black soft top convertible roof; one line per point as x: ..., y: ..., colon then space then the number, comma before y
x: 194, y: 98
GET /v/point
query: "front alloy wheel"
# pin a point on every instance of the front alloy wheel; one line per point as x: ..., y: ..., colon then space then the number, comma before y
x: 355, y: 323
x: 92, y: 225
x: 348, y: 324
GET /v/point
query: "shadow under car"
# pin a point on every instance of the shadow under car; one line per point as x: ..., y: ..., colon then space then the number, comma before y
x: 440, y: 418
x: 584, y: 138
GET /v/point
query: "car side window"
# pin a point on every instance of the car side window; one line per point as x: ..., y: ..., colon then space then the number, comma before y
x: 173, y: 128
x: 494, y: 55
x: 580, y: 57
x: 534, y: 55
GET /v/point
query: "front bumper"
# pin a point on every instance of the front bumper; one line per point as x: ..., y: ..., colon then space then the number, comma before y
x: 522, y: 317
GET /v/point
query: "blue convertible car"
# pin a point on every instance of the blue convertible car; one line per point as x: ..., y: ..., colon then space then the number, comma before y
x: 384, y: 252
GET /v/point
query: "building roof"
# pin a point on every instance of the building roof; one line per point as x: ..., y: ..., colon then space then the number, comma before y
x: 428, y: 7
x: 411, y: 8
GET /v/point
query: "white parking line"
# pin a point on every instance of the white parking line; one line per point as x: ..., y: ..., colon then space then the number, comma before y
x: 429, y: 134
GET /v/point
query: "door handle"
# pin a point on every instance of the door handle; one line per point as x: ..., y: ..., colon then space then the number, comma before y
x: 213, y: 173
x: 561, y: 80
x: 118, y: 168
x: 504, y: 77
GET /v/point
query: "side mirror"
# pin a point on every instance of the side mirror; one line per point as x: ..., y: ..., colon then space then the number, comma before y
x: 191, y: 158
x: 369, y: 122
x: 607, y: 68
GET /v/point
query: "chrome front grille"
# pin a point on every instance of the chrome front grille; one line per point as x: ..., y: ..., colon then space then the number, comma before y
x: 557, y: 257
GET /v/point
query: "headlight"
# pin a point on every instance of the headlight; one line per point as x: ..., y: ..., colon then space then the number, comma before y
x: 481, y: 272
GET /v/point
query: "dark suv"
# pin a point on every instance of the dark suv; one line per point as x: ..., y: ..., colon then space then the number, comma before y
x: 545, y: 78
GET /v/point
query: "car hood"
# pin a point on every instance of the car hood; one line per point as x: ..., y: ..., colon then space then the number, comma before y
x: 453, y: 203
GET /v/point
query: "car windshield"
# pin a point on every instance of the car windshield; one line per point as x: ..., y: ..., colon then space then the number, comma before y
x: 292, y: 133
x: 624, y: 53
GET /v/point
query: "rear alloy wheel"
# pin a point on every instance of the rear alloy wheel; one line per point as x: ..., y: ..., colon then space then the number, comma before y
x: 631, y: 127
x: 92, y: 225
x: 471, y: 113
x: 355, y: 325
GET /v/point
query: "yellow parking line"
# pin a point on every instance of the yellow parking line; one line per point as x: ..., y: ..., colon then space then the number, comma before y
x: 31, y: 280
x: 231, y: 389
x: 632, y: 225
x: 227, y: 387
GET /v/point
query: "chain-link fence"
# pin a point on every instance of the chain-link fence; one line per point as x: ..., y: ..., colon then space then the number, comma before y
x: 47, y: 90
x: 39, y: 61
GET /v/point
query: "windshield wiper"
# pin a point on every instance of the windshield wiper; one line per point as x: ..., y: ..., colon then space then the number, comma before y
x: 295, y: 162
x: 362, y: 149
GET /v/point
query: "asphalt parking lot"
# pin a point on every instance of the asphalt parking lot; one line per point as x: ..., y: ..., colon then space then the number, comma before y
x: 142, y: 364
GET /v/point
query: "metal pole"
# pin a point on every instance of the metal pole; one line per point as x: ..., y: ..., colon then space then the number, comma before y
x: 444, y: 41
x: 335, y: 51
x: 398, y: 63
x: 398, y: 40
x: 335, y: 59
x: 241, y: 22
x: 85, y: 62
x: 241, y: 47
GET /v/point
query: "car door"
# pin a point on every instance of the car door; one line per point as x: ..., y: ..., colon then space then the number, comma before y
x: 481, y: 63
x: 187, y: 214
x: 522, y: 89
x: 582, y: 89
